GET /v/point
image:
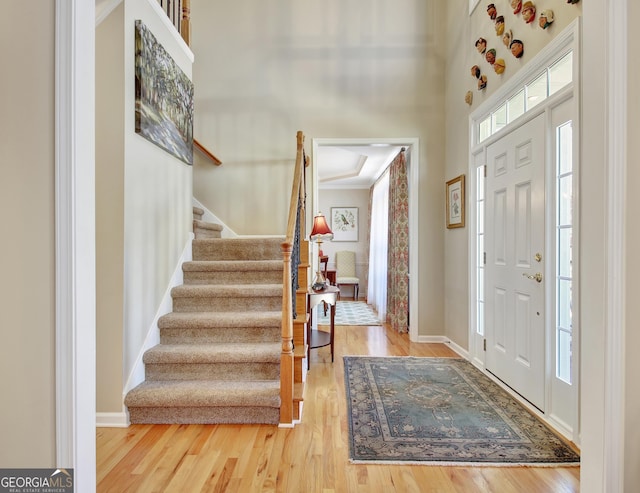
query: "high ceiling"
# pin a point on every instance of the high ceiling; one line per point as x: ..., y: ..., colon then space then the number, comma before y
x: 353, y: 166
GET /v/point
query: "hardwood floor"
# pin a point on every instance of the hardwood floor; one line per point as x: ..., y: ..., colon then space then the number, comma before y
x: 312, y: 457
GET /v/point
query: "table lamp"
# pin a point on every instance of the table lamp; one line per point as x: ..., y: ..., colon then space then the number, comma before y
x: 320, y: 232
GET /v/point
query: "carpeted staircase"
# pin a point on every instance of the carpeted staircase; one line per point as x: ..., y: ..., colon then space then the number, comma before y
x: 204, y: 229
x: 218, y: 360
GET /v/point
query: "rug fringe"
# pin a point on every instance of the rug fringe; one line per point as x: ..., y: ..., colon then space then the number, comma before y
x: 464, y: 464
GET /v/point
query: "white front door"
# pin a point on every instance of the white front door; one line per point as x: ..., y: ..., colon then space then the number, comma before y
x: 515, y: 259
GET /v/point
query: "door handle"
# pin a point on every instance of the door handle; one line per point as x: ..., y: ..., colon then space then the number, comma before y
x: 536, y: 277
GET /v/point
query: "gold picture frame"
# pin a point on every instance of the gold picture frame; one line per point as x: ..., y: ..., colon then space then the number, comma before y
x: 455, y: 202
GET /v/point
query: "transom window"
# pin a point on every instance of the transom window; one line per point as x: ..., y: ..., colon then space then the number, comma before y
x: 545, y: 83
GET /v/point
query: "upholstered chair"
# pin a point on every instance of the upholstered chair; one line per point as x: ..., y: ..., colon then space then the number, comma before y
x: 346, y: 271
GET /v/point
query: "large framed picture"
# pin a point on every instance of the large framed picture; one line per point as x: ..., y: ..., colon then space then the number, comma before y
x: 344, y: 223
x: 164, y: 97
x: 455, y: 202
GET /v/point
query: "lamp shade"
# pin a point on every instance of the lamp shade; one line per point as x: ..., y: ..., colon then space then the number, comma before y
x: 320, y: 230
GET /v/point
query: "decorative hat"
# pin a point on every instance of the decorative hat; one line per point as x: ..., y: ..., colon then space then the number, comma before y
x: 491, y: 56
x: 481, y: 45
x: 507, y: 37
x: 546, y: 18
x: 517, y: 48
x: 482, y: 82
x: 491, y: 10
x: 468, y: 98
x: 516, y: 5
x: 528, y: 12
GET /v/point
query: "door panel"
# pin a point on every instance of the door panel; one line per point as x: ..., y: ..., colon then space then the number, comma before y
x: 514, y: 234
x: 523, y: 225
x: 500, y: 319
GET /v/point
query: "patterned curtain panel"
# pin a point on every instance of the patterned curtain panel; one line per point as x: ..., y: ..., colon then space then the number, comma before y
x: 398, y: 254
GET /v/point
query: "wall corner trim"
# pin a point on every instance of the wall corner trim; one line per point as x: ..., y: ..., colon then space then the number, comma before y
x: 75, y: 291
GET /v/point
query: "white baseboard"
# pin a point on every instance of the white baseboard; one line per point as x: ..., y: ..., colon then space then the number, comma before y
x: 432, y: 339
x: 112, y: 420
x: 459, y: 349
x: 444, y: 340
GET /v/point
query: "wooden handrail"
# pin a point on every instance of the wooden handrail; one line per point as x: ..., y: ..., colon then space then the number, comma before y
x: 286, y: 356
x: 295, y: 190
x: 197, y: 145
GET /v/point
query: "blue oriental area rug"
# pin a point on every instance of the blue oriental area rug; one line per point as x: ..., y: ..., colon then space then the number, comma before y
x: 441, y: 411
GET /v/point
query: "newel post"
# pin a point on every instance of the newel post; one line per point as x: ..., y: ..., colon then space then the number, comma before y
x: 286, y: 356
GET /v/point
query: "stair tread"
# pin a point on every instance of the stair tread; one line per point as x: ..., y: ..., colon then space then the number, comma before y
x: 229, y: 352
x: 232, y: 265
x: 226, y: 290
x: 205, y: 393
x: 251, y: 240
x: 300, y: 352
x: 207, y: 225
x: 219, y: 319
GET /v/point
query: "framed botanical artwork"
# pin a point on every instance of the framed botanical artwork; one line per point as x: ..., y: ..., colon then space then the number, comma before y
x: 455, y: 202
x: 344, y: 223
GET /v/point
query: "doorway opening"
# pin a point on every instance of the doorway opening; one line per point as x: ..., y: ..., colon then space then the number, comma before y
x: 343, y: 183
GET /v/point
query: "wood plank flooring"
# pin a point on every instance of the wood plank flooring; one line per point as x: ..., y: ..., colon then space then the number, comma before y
x: 312, y: 457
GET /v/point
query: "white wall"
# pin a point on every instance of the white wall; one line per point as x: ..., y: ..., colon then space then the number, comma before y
x: 369, y: 69
x: 328, y: 198
x: 145, y: 212
x: 27, y: 291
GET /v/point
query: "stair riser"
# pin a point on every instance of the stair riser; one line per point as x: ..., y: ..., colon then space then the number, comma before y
x: 217, y: 304
x: 251, y: 277
x: 201, y: 234
x: 204, y: 415
x: 213, y: 371
x: 237, y: 249
x: 220, y: 335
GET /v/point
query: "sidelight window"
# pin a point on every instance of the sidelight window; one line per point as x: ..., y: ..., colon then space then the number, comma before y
x: 564, y: 238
